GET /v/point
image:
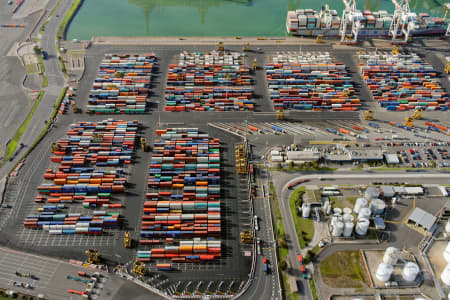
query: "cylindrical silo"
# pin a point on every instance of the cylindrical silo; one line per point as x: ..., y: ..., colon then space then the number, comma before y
x: 348, y: 218
x: 447, y: 226
x: 348, y: 229
x: 337, y: 211
x: 410, y: 271
x: 384, y: 272
x: 364, y: 213
x: 445, y: 276
x: 377, y: 206
x: 447, y: 253
x: 390, y: 256
x: 362, y: 226
x: 325, y: 205
x: 329, y: 209
x: 338, y: 228
x: 347, y: 210
x: 306, y: 210
x: 360, y: 202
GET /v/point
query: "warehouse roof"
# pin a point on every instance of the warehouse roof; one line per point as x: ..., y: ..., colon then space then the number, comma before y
x: 413, y: 190
x: 306, y: 155
x: 422, y: 218
x: 366, y: 154
x: 388, y: 191
x: 399, y: 189
x: 337, y: 157
x: 391, y: 158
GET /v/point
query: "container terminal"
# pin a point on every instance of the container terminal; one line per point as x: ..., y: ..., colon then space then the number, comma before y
x: 237, y: 168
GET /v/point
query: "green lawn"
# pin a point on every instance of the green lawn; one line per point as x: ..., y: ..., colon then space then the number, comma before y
x: 303, y: 227
x: 344, y: 269
x: 351, y: 200
x: 12, y: 146
x: 312, y: 285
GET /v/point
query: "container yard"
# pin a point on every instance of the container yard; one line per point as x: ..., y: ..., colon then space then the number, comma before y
x: 402, y: 82
x: 182, y: 219
x: 310, y: 81
x: 122, y: 84
x: 87, y: 169
x: 209, y: 82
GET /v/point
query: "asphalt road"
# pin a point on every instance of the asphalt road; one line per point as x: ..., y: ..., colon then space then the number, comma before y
x: 264, y: 286
x: 55, y: 83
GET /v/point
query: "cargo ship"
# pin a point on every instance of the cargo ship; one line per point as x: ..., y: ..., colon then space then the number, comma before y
x: 308, y: 22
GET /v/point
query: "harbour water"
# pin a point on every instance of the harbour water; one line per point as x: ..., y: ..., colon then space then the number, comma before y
x: 206, y: 17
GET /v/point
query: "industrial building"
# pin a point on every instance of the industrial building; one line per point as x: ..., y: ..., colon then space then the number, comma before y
x: 422, y: 219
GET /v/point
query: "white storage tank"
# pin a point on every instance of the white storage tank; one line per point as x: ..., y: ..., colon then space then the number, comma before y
x: 390, y: 256
x: 329, y: 209
x: 360, y: 202
x: 447, y: 253
x: 447, y: 226
x: 445, y: 276
x: 338, y: 228
x: 377, y: 206
x: 348, y: 218
x: 410, y: 271
x: 337, y: 211
x: 364, y: 213
x: 362, y: 226
x: 384, y: 272
x: 347, y: 210
x: 348, y: 229
x: 306, y: 210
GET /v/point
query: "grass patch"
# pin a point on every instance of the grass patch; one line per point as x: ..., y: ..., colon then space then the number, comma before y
x: 397, y: 169
x: 60, y: 33
x: 344, y: 269
x: 312, y: 285
x: 45, y: 80
x: 41, y: 31
x: 303, y: 227
x: 12, y: 146
x: 351, y: 200
x: 54, y: 8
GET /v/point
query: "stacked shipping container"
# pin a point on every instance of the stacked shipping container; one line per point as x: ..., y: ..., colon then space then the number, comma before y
x: 310, y: 81
x: 402, y: 82
x: 209, y: 82
x: 122, y: 84
x: 183, y: 203
x: 79, y: 179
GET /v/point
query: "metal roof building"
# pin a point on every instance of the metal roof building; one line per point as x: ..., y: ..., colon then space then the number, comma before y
x: 372, y: 192
x: 391, y: 158
x: 303, y: 156
x: 413, y: 190
x: 423, y: 219
x: 366, y: 155
x: 387, y: 191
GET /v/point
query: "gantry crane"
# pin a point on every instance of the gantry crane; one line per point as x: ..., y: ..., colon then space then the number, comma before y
x: 368, y: 115
x: 139, y: 268
x: 446, y: 9
x: 246, y: 237
x: 93, y: 256
x: 280, y: 114
x: 255, y: 65
x: 402, y: 22
x: 127, y: 240
x: 56, y: 147
x: 220, y: 46
x: 351, y: 18
x: 144, y: 144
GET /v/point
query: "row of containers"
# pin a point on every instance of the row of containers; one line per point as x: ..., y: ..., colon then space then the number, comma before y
x: 402, y: 82
x: 88, y: 170
x: 182, y: 217
x: 122, y: 84
x: 209, y: 82
x: 310, y: 81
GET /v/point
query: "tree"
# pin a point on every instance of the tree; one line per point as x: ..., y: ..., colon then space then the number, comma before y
x: 37, y: 50
x: 283, y: 265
